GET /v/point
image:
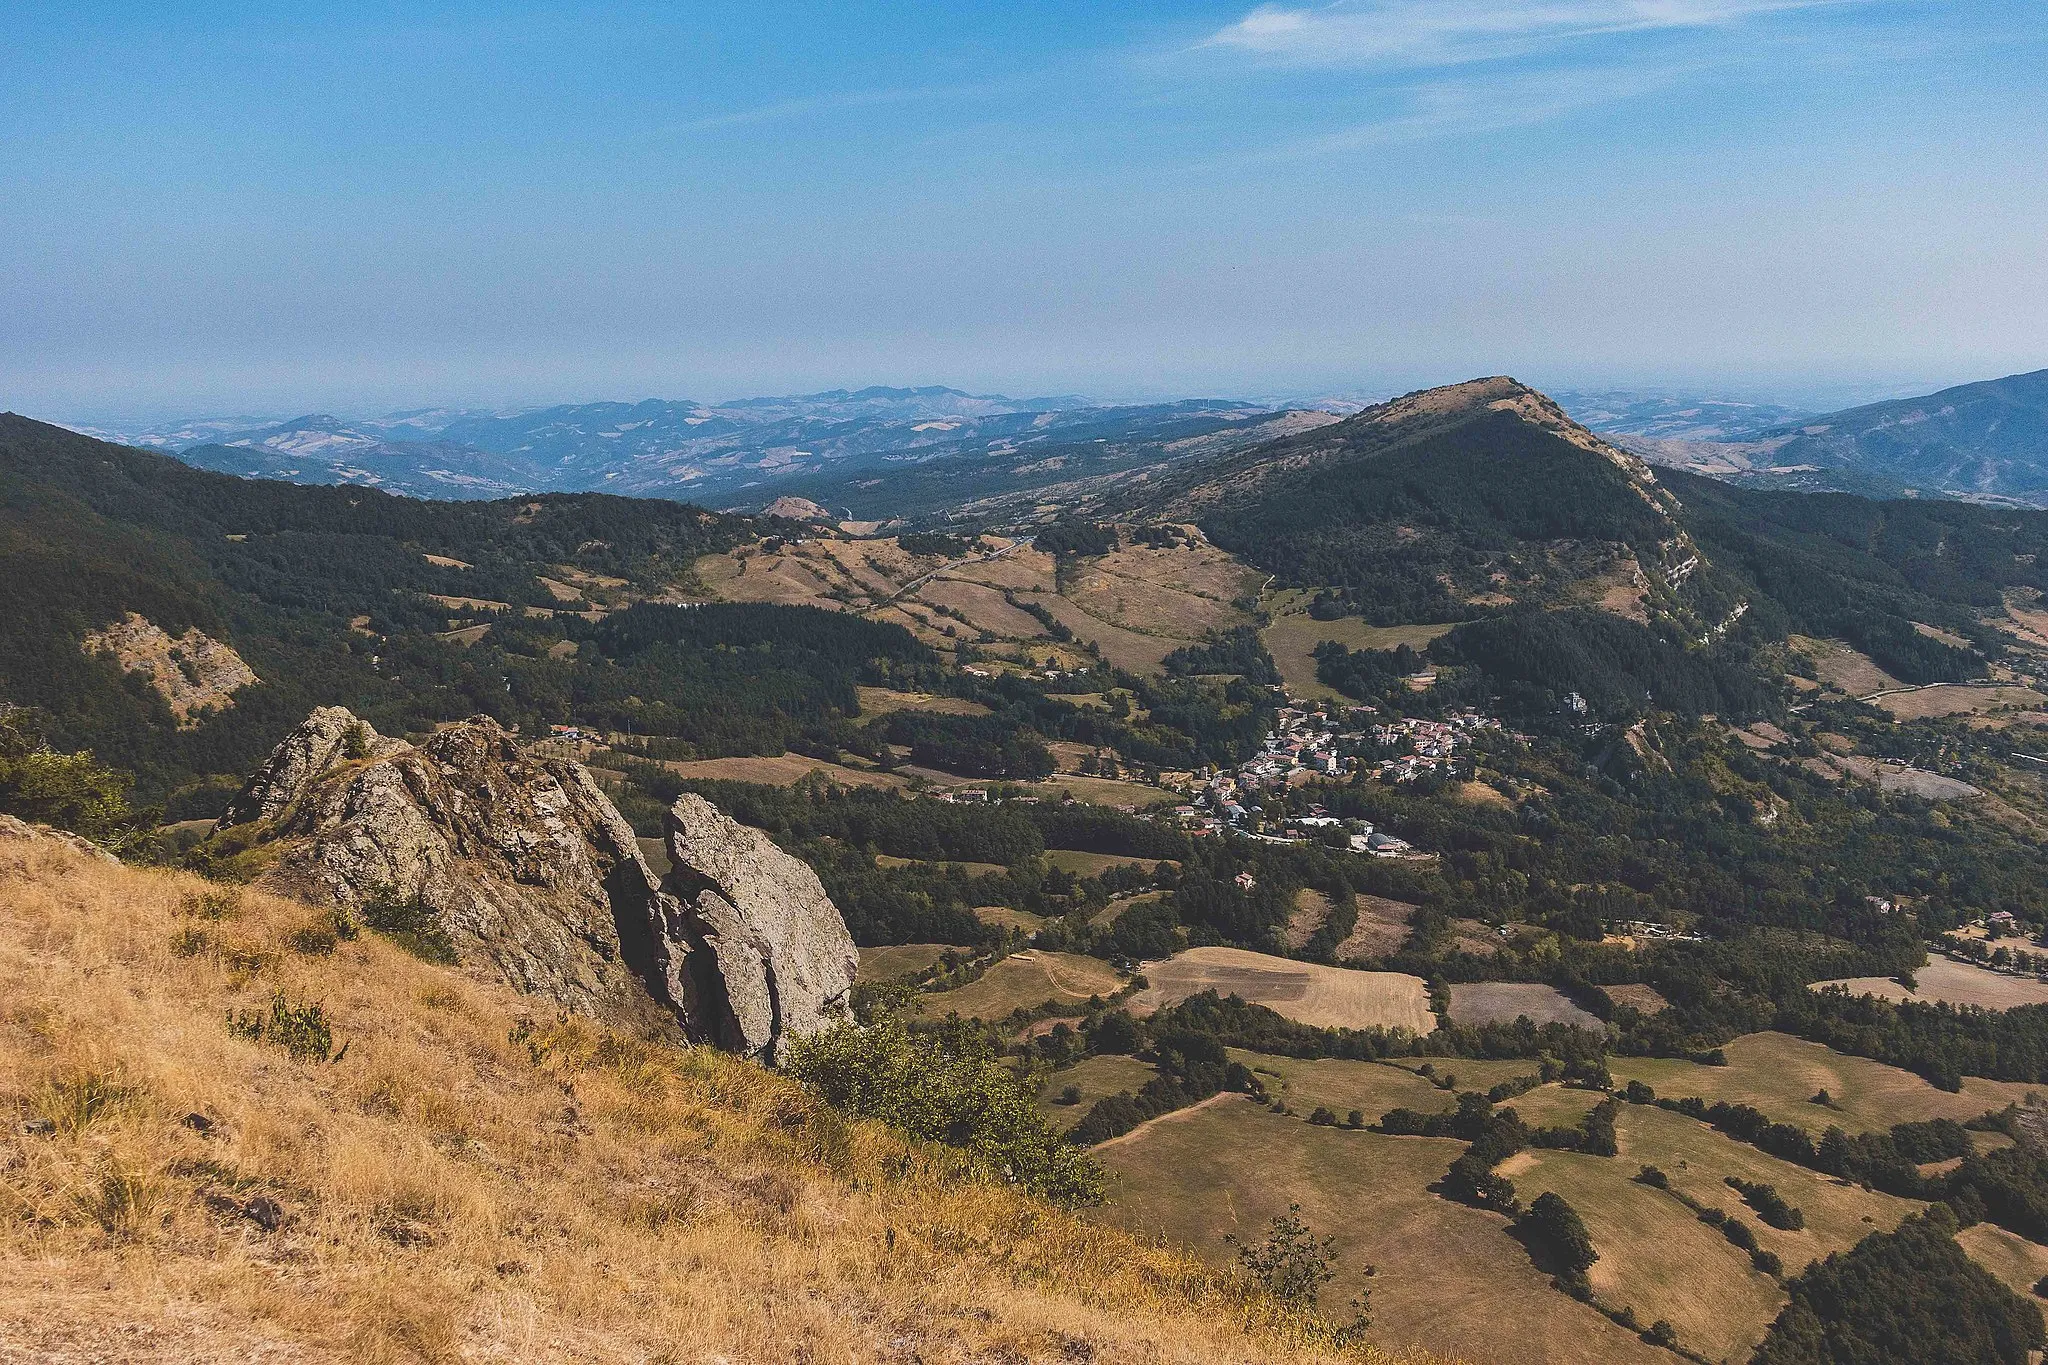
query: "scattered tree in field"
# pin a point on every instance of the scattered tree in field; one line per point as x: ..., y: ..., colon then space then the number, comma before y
x: 1553, y: 1230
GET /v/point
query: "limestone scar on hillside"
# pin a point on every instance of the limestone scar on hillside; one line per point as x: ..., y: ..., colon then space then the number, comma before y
x: 192, y: 672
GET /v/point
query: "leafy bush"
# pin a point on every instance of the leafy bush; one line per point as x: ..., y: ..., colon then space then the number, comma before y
x: 964, y: 1097
x: 1293, y: 1265
x: 412, y: 924
x: 67, y: 791
x: 301, y: 1030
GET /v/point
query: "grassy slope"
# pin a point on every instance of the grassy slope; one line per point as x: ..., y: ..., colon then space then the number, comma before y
x: 1023, y: 980
x: 1779, y: 1075
x: 1449, y: 1276
x: 450, y: 1193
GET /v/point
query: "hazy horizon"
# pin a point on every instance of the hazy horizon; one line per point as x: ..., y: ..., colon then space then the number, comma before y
x: 1811, y: 397
x: 220, y: 210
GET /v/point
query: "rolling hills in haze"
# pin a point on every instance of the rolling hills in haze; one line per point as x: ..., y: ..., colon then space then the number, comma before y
x: 737, y: 453
x: 1986, y: 442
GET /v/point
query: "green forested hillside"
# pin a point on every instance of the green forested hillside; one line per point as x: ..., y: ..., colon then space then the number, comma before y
x: 286, y: 575
x: 1571, y: 567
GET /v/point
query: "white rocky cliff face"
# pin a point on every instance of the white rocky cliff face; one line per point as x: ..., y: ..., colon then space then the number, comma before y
x: 533, y: 872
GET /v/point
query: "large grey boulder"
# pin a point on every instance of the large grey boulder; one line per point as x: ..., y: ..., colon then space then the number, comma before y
x: 533, y: 873
x: 773, y: 959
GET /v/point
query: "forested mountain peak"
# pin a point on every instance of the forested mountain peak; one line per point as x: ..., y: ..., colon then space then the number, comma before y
x: 1451, y: 501
x: 1481, y: 409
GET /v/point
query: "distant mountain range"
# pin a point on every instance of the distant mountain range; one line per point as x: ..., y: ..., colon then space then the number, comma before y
x: 1982, y: 442
x: 741, y: 452
x: 883, y: 453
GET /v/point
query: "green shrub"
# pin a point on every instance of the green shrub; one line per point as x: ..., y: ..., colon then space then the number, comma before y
x: 66, y: 791
x: 301, y: 1030
x: 412, y: 924
x: 958, y: 1095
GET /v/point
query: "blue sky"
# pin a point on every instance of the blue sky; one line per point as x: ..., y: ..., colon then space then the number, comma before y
x: 270, y: 208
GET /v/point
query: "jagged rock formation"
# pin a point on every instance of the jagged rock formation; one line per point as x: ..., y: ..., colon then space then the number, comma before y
x: 775, y: 960
x: 328, y: 737
x: 529, y: 868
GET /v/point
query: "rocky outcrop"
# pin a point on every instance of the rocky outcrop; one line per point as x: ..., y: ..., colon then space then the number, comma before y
x: 19, y: 834
x: 330, y: 736
x: 528, y: 867
x: 772, y: 958
x: 194, y: 673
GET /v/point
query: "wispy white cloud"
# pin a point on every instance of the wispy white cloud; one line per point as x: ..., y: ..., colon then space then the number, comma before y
x: 1417, y: 33
x: 1467, y: 106
x: 812, y: 106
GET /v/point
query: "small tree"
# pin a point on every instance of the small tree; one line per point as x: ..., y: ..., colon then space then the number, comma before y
x: 1553, y: 1226
x: 1292, y: 1262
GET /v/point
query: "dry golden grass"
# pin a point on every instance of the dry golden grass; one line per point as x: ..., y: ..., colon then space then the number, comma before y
x: 1958, y: 983
x: 1779, y: 1075
x: 1323, y: 997
x: 477, y: 1178
x: 1930, y: 702
x: 1024, y: 979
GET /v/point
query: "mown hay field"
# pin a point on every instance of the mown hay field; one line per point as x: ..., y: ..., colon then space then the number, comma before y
x: 1023, y: 980
x: 1930, y: 702
x: 779, y: 770
x: 1096, y: 1078
x: 1450, y: 1278
x: 1502, y: 1002
x: 1341, y: 1086
x: 899, y: 960
x: 1324, y: 997
x: 1293, y: 637
x: 1779, y: 1075
x: 1957, y: 983
x: 880, y: 701
x: 1658, y: 1259
x: 1090, y: 864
